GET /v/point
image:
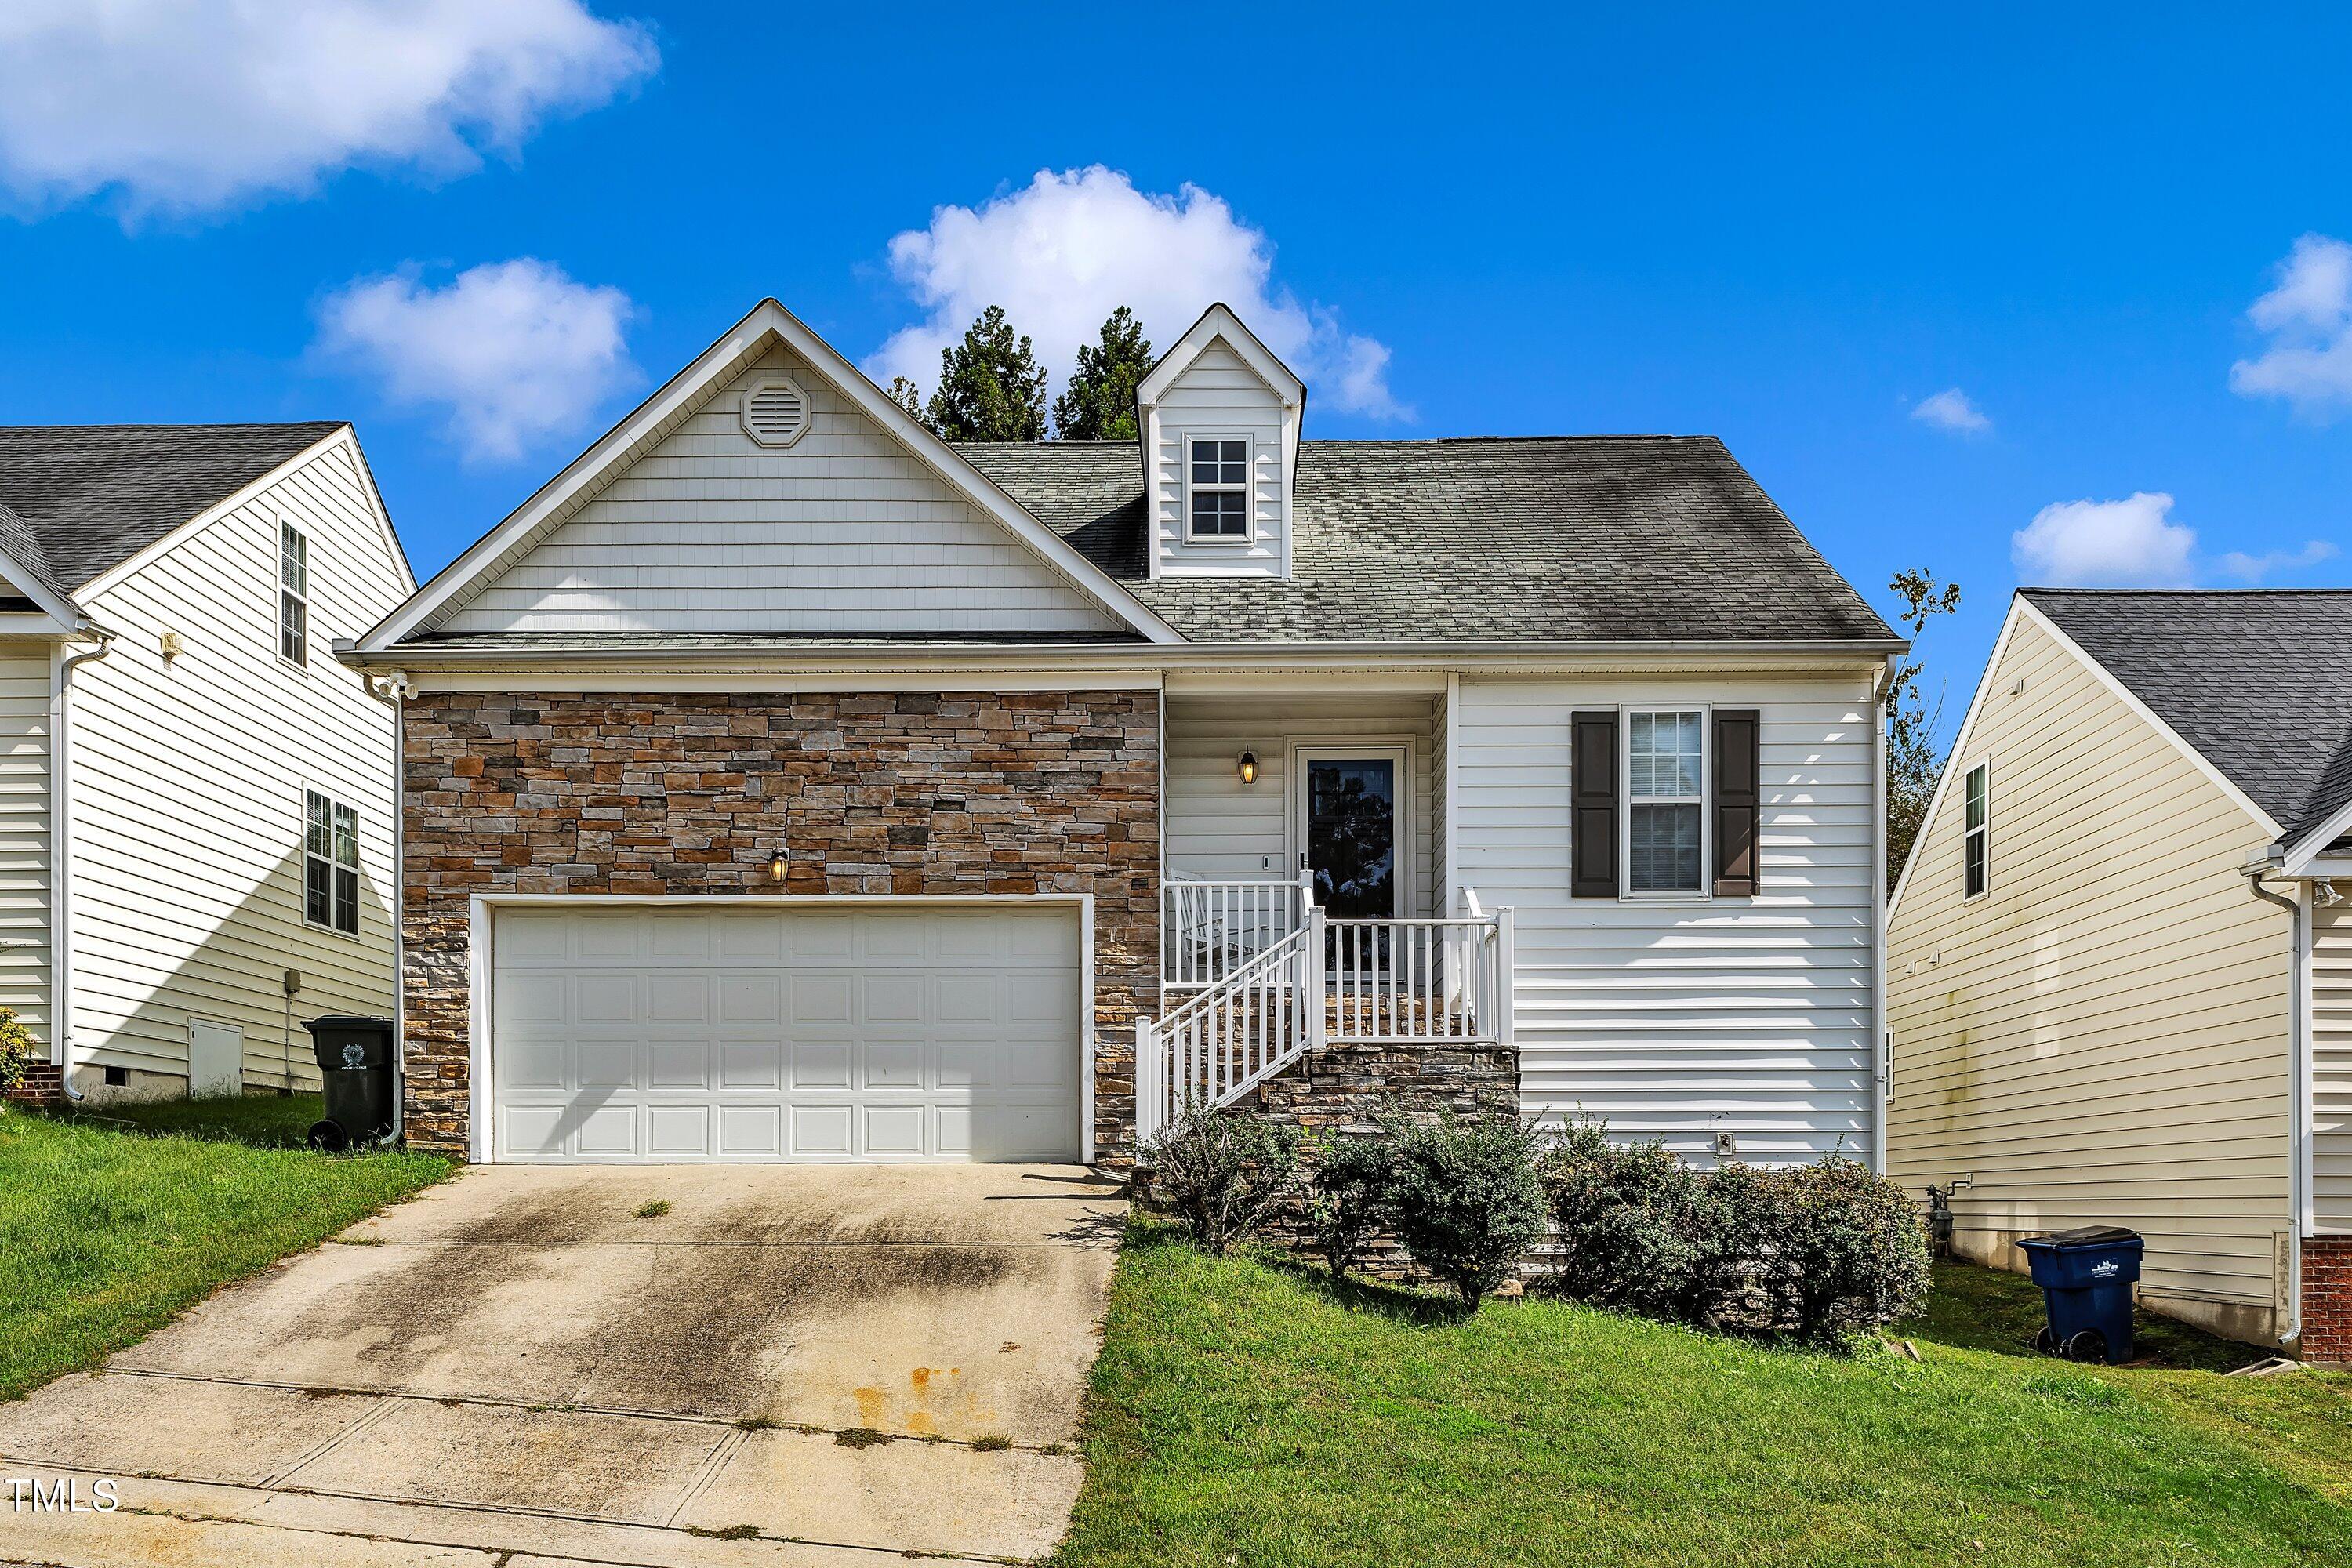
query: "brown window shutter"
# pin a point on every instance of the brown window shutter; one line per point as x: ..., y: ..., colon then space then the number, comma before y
x: 1738, y: 800
x: 1593, y: 804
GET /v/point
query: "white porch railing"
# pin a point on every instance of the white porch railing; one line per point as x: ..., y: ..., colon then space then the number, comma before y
x: 1209, y: 929
x: 1354, y: 982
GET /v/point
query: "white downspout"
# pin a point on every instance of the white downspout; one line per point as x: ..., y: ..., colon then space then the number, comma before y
x: 394, y: 691
x: 1882, y: 1043
x: 2298, y: 1161
x: 61, y: 1049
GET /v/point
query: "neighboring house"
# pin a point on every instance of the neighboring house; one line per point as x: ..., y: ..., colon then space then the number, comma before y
x: 783, y: 782
x: 2120, y: 981
x: 195, y: 798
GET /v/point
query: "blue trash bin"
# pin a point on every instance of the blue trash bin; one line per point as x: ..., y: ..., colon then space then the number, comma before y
x: 2086, y: 1277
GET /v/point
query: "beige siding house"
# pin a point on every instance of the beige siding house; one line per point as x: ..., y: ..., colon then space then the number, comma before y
x: 2099, y: 1012
x: 1540, y: 772
x: 196, y: 833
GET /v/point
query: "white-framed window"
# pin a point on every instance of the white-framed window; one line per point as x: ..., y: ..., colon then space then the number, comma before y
x: 1665, y: 802
x: 293, y: 593
x: 1976, y: 843
x: 1218, y: 503
x: 331, y: 863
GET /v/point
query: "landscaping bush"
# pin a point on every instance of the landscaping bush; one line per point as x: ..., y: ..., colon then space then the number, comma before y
x: 1815, y: 1253
x: 1349, y: 1197
x: 1467, y: 1201
x: 17, y: 1052
x: 1629, y: 1222
x: 1219, y: 1173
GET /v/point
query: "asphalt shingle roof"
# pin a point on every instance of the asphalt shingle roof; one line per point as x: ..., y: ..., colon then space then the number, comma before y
x: 2259, y: 680
x: 87, y: 498
x: 1536, y: 539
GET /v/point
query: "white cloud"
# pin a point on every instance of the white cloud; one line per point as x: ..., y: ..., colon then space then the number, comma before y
x: 515, y: 351
x: 2254, y: 568
x: 1951, y: 410
x: 2133, y: 544
x: 2308, y: 317
x: 1064, y: 251
x: 182, y: 109
x: 2105, y: 543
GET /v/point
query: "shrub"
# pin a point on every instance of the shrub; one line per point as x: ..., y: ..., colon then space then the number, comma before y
x: 1349, y: 1197
x: 1629, y: 1221
x: 1815, y: 1253
x: 1220, y: 1173
x: 17, y: 1052
x: 1468, y: 1203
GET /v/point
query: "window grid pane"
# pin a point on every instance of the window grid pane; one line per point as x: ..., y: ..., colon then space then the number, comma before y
x: 293, y: 627
x: 1220, y: 514
x: 347, y: 901
x: 347, y: 835
x: 1664, y: 845
x: 318, y: 896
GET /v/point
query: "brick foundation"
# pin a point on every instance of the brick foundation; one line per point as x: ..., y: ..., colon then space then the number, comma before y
x: 42, y: 1082
x: 954, y: 792
x: 2328, y: 1300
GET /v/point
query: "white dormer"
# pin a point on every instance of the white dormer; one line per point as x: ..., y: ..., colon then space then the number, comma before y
x: 1219, y: 416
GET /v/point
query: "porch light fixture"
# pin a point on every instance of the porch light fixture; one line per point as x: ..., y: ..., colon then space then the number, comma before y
x: 1247, y: 768
x: 776, y: 868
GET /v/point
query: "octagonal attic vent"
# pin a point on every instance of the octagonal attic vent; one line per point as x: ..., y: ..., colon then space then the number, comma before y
x: 775, y: 410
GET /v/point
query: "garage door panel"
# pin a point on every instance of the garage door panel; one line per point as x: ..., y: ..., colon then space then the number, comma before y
x: 791, y: 1032
x: 678, y: 1131
x: 751, y: 1064
x: 750, y: 998
x: 823, y: 997
x: 676, y: 1063
x: 893, y: 998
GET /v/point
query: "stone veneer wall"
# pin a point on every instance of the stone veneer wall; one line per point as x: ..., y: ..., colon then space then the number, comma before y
x: 1341, y: 1089
x: 2328, y: 1300
x: 953, y: 793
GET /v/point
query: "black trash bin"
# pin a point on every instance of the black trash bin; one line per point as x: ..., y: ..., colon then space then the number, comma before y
x: 355, y: 1062
x: 2086, y: 1277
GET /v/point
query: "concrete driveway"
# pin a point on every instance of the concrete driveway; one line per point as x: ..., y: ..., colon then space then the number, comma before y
x: 793, y: 1364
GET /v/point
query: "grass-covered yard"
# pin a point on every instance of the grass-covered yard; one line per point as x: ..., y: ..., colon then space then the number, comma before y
x: 1244, y: 1413
x: 113, y: 1222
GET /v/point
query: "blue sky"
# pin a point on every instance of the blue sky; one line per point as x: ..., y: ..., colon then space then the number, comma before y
x: 481, y: 233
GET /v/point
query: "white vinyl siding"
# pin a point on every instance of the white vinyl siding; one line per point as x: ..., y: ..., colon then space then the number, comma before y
x: 2101, y: 1038
x: 1222, y: 829
x: 844, y: 531
x: 26, y: 955
x: 2331, y: 1085
x: 1218, y: 395
x: 188, y: 781
x: 1676, y: 1020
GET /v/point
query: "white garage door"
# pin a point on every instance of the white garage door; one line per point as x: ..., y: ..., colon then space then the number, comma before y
x: 785, y: 1032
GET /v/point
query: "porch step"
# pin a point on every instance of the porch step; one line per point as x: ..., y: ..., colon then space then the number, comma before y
x: 42, y: 1082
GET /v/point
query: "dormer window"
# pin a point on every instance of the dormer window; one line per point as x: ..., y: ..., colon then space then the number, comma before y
x: 1220, y: 489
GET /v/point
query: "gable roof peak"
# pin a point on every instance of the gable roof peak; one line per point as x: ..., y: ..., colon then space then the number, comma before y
x: 1220, y: 323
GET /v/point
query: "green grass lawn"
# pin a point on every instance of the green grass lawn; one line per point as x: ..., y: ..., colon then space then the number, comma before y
x: 1247, y: 1414
x: 113, y: 1222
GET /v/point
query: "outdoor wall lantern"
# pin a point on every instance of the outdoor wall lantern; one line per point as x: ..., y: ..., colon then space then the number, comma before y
x: 776, y: 868
x: 1248, y: 767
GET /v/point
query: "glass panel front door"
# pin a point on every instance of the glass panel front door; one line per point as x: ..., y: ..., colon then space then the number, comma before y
x: 1351, y: 810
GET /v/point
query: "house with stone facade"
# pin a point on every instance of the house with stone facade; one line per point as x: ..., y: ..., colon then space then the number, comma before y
x: 2121, y: 984
x: 780, y: 782
x: 195, y: 798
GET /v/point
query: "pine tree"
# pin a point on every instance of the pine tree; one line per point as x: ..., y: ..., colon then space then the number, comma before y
x: 1098, y: 404
x: 1913, y: 759
x: 991, y: 388
x: 909, y: 396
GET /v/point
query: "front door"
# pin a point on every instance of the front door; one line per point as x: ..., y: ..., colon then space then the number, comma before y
x: 1348, y: 829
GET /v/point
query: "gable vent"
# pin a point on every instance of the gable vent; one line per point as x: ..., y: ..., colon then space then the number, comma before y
x: 775, y: 410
